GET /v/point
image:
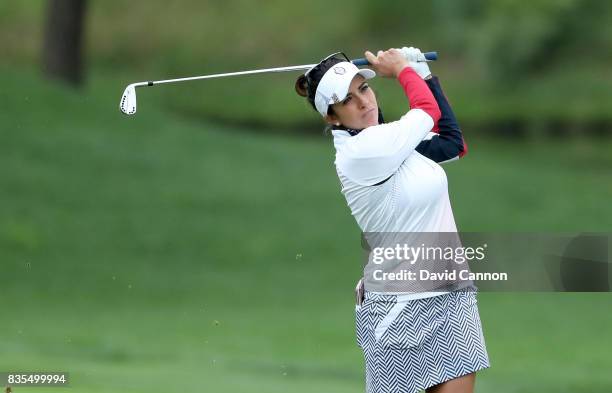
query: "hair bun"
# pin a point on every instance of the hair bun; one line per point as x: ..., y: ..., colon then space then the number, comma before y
x: 301, y: 86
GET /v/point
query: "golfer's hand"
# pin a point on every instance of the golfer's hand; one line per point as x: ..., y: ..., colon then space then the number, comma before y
x: 417, y: 61
x: 388, y: 63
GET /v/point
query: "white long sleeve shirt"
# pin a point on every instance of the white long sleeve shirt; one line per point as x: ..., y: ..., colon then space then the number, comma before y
x: 415, y: 196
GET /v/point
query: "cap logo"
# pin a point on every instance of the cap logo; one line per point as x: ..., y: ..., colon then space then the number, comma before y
x: 335, y: 98
x: 339, y: 70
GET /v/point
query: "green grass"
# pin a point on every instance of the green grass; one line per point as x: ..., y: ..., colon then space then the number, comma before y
x: 154, y: 254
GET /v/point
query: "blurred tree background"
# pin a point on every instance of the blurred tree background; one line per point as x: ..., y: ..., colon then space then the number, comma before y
x: 507, y: 66
x: 62, y: 48
x: 203, y: 244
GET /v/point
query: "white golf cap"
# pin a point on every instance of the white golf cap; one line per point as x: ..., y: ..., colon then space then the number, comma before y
x: 334, y: 85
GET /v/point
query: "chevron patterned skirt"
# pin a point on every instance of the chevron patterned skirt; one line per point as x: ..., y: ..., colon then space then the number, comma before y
x: 411, y: 345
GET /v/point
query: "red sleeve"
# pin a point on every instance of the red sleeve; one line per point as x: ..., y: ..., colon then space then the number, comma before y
x: 465, y: 149
x: 419, y: 95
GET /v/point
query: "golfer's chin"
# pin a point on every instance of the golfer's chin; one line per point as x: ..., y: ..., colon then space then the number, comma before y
x: 371, y: 118
x: 366, y: 120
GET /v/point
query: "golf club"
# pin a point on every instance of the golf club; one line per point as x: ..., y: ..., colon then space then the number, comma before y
x: 128, y: 99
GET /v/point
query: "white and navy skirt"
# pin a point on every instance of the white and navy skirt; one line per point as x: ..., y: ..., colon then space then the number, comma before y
x: 411, y: 345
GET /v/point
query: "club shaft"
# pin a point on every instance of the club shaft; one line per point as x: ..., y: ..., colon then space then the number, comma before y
x: 212, y: 76
x: 428, y: 55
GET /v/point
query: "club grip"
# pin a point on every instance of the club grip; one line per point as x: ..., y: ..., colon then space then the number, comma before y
x: 429, y: 56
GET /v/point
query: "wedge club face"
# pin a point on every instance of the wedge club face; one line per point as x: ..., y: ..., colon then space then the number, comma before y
x: 128, y: 100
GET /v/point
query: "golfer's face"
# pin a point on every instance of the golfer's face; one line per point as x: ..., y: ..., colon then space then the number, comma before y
x: 359, y: 109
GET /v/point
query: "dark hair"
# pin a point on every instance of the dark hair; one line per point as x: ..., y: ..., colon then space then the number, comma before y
x: 306, y: 86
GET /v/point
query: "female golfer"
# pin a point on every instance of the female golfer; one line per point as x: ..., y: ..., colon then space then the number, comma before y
x: 392, y: 183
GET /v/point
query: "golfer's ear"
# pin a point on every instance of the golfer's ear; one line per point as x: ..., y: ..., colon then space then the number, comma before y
x: 332, y: 119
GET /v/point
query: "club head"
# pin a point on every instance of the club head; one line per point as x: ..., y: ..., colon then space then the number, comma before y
x: 128, y: 100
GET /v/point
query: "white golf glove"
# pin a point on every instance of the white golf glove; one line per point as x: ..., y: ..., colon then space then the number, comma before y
x: 416, y: 61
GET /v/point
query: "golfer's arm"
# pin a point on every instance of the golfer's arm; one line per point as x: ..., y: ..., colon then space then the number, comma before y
x: 446, y: 142
x: 418, y: 94
x: 374, y: 155
x: 378, y: 151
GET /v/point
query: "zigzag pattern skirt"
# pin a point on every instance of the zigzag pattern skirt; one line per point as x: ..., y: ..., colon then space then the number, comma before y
x: 416, y: 344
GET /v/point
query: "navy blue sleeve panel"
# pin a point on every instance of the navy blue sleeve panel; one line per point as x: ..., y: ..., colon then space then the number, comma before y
x: 447, y: 144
